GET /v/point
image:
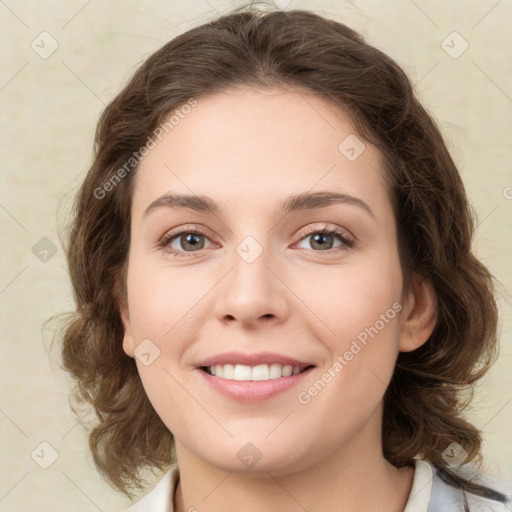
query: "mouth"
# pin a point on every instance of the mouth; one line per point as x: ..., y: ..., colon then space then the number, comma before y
x: 260, y: 372
x: 251, y: 384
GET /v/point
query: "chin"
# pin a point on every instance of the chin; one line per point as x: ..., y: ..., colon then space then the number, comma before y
x: 253, y: 458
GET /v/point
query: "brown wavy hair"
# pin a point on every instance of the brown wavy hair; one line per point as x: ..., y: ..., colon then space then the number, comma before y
x: 300, y: 51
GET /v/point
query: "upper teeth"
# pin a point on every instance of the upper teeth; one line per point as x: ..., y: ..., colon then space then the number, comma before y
x: 259, y: 372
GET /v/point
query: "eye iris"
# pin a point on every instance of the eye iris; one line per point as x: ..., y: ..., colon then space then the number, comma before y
x: 320, y: 236
x: 187, y: 239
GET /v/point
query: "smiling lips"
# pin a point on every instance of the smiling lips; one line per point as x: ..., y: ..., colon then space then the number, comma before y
x: 252, y: 367
x: 252, y: 377
x: 251, y: 373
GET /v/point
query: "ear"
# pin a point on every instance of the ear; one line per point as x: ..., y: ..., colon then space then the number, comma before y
x: 419, y: 315
x: 122, y: 301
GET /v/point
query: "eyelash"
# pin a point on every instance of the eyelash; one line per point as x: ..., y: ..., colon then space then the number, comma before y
x: 349, y: 243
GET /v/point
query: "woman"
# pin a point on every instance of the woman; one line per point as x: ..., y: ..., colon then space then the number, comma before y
x: 277, y: 301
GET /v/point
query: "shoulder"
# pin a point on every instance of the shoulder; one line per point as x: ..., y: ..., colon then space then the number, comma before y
x: 431, y: 491
x: 160, y: 498
x: 446, y: 497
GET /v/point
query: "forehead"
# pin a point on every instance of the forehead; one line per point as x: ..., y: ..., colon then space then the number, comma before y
x: 256, y: 143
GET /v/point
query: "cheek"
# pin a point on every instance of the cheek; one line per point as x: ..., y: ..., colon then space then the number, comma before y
x: 163, y: 319
x: 160, y: 328
x: 159, y: 300
x: 344, y: 303
x: 356, y: 316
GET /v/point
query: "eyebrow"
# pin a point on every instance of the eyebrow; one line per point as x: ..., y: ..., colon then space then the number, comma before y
x: 294, y: 203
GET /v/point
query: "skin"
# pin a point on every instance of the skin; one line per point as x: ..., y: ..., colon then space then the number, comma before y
x: 249, y: 149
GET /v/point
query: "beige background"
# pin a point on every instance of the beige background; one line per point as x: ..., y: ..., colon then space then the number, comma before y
x: 49, y: 110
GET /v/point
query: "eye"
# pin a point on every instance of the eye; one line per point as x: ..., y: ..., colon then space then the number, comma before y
x: 188, y: 239
x: 321, y: 239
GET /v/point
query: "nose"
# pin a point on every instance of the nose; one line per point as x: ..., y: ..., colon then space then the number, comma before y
x: 253, y: 293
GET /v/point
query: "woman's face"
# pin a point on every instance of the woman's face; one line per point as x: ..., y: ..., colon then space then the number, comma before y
x: 260, y: 280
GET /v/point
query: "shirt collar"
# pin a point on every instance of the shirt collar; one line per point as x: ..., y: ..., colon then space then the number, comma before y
x: 421, y: 489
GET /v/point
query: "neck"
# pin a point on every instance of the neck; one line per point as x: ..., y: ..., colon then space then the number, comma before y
x: 355, y: 477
